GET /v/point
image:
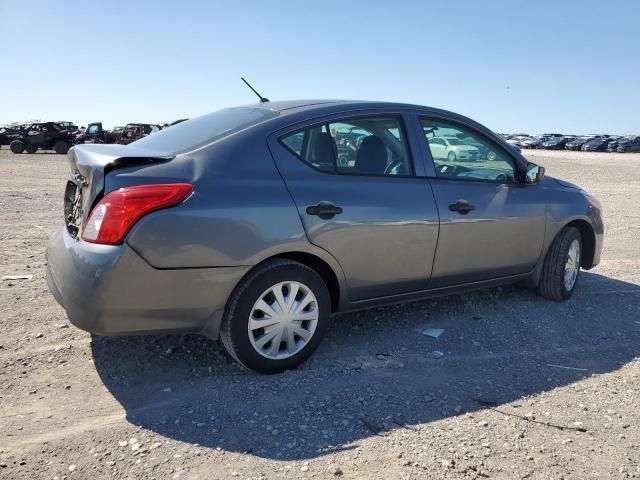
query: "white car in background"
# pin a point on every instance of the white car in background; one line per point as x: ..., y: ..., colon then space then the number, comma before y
x: 452, y: 149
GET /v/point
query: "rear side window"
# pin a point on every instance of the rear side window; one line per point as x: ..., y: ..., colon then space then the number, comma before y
x: 375, y: 146
x: 200, y: 131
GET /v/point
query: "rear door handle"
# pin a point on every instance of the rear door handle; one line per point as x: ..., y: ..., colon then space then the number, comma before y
x: 461, y: 206
x: 324, y: 210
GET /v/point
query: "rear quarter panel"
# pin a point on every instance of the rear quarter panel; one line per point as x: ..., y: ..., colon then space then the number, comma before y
x: 239, y: 214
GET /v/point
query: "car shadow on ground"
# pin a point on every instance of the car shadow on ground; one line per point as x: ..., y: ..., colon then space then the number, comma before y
x: 376, y: 371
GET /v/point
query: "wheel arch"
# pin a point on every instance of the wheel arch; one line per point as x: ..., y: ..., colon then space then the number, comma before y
x: 588, y: 237
x: 317, y: 264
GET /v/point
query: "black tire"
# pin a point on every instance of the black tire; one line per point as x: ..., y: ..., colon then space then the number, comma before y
x: 31, y: 149
x: 61, y: 147
x: 234, y: 334
x: 17, y: 146
x: 552, y: 285
x: 451, y: 156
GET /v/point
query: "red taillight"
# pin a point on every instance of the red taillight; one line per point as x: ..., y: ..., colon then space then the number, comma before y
x: 118, y: 211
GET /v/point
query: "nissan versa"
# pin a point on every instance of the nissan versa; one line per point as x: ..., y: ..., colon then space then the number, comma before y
x: 256, y: 224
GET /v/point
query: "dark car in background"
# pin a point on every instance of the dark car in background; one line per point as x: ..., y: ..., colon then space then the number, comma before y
x: 43, y: 136
x: 632, y: 145
x: 70, y: 127
x: 577, y: 143
x: 243, y: 224
x: 556, y: 143
x: 535, y: 142
x: 135, y: 131
x: 596, y: 144
x: 95, y: 133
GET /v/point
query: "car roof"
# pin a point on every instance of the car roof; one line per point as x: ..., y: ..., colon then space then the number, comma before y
x: 295, y: 106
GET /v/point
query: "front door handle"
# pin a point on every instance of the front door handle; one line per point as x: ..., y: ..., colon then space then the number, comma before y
x: 461, y: 206
x: 324, y: 210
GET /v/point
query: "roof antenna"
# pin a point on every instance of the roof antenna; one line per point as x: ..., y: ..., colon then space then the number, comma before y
x: 262, y: 99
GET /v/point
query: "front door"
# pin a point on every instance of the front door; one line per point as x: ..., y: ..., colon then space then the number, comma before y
x: 353, y: 181
x: 492, y: 224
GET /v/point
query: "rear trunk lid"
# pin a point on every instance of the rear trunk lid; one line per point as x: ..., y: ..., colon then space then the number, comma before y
x: 89, y: 165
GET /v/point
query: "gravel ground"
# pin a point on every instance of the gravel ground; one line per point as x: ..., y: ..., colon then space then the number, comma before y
x: 374, y: 402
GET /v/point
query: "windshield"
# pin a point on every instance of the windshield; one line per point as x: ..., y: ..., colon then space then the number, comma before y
x: 200, y: 131
x: 454, y: 141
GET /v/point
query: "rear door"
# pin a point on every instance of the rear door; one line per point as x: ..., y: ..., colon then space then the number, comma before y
x: 492, y: 224
x: 353, y: 180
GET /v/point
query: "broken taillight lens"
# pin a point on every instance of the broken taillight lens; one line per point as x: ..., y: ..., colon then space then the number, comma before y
x: 114, y: 215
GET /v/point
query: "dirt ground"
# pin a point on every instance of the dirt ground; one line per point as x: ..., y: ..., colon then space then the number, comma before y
x: 525, y: 388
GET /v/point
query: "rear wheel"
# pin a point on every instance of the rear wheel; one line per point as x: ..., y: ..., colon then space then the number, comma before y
x: 451, y: 156
x: 561, y: 267
x: 276, y: 317
x: 31, y: 149
x: 17, y: 146
x: 61, y: 147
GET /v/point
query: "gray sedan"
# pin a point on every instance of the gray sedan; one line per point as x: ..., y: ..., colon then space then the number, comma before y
x: 244, y: 225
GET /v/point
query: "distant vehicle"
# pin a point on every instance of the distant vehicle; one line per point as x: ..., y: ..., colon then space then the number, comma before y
x: 69, y: 127
x: 616, y: 141
x: 552, y: 135
x: 452, y: 149
x: 577, y: 143
x: 44, y: 136
x: 115, y: 131
x: 633, y: 145
x: 96, y: 134
x: 517, y: 140
x: 6, y: 135
x: 556, y: 143
x: 535, y: 142
x: 135, y: 131
x: 596, y: 145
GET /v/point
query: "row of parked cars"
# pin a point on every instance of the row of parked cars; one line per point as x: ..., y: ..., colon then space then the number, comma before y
x: 60, y: 136
x: 586, y: 143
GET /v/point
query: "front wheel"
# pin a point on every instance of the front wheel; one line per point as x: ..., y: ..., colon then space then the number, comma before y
x: 17, y: 146
x: 451, y: 156
x: 561, y: 266
x: 276, y: 317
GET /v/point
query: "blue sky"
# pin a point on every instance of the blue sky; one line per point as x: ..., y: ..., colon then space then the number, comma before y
x: 568, y: 66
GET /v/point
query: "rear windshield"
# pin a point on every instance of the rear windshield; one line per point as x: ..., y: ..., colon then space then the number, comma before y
x: 199, y: 131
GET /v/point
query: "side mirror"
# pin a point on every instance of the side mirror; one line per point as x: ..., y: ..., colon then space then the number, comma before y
x: 535, y: 173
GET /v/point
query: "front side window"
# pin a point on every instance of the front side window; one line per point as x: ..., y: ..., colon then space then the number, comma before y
x: 463, y: 154
x: 359, y: 146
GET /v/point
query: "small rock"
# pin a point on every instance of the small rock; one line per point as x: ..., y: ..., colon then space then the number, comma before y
x: 72, y: 468
x: 39, y: 335
x: 335, y: 470
x: 304, y: 468
x: 123, y: 443
x: 437, y: 354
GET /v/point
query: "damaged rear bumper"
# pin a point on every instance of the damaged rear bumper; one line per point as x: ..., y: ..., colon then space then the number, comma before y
x: 111, y: 290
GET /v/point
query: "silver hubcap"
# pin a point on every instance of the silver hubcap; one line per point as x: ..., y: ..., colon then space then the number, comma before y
x: 283, y: 320
x: 572, y: 266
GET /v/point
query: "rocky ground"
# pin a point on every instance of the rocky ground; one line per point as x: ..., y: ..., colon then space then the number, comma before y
x: 515, y: 387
